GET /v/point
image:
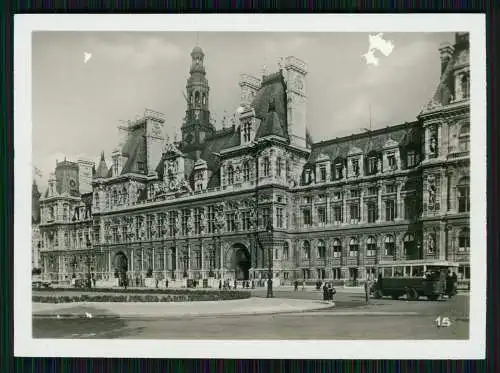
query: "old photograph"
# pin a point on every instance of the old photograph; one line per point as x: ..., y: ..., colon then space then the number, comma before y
x: 276, y: 186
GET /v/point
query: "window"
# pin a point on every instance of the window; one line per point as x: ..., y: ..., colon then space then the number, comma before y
x: 97, y: 237
x: 266, y: 166
x: 465, y: 85
x: 114, y: 232
x: 464, y: 240
x: 372, y: 212
x: 464, y: 272
x: 336, y: 273
x: 390, y: 188
x: 279, y: 217
x: 247, y: 220
x: 322, y: 215
x: 149, y: 227
x: 372, y: 165
x: 354, y: 209
x: 410, y: 208
x: 321, y: 249
x: 322, y: 173
x: 371, y: 246
x: 307, y: 176
x: 197, y: 220
x: 247, y: 130
x: 124, y: 196
x: 391, y: 161
x: 306, y: 214
x: 66, y: 239
x: 389, y: 246
x: 124, y: 233
x: 409, y: 246
x: 246, y: 171
x: 230, y: 221
x: 353, y: 247
x: 306, y: 247
x: 354, y: 193
x: 140, y: 166
x: 464, y: 138
x: 337, y: 196
x: 286, y: 250
x: 115, y: 198
x: 96, y: 199
x: 115, y: 166
x: 339, y: 170
x: 390, y: 210
x: 151, y: 191
x: 337, y: 214
x: 288, y: 168
x: 278, y: 166
x: 184, y: 221
x: 230, y: 175
x: 463, y: 195
x: 337, y: 248
x: 307, y: 200
x: 355, y: 167
x: 411, y: 158
x: 266, y: 216
x: 211, y: 219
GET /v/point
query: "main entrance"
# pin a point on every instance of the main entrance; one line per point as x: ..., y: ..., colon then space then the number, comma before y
x: 242, y: 263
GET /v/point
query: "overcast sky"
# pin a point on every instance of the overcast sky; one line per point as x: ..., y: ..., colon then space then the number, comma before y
x: 77, y: 106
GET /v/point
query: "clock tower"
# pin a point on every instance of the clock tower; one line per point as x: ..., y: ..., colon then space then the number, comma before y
x: 196, y: 124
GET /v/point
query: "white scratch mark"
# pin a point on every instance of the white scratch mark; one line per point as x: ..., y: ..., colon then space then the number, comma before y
x: 86, y: 57
x: 377, y: 43
x: 88, y: 315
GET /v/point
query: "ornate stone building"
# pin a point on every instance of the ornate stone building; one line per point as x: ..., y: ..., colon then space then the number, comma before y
x: 259, y: 193
x: 35, y: 231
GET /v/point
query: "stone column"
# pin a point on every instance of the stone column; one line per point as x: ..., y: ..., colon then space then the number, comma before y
x: 345, y: 215
x: 189, y: 260
x: 362, y: 206
x: 443, y: 192
x: 442, y: 241
x: 328, y: 207
x: 154, y: 267
x: 381, y: 214
x: 109, y: 263
x: 399, y: 202
x: 177, y: 272
x: 142, y: 260
x: 132, y: 261
x: 202, y: 253
x: 164, y: 262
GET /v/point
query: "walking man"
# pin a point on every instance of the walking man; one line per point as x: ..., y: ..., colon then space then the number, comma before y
x: 367, y: 292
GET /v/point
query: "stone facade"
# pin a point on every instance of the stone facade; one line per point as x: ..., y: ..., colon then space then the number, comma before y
x: 235, y: 202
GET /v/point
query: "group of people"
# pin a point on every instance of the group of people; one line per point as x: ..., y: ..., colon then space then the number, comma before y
x: 451, y: 284
x: 328, y: 292
x: 226, y: 284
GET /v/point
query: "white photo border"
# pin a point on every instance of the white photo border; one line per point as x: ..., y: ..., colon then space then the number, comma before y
x: 26, y: 345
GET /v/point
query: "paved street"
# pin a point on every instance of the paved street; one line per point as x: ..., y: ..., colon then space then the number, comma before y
x: 350, y: 319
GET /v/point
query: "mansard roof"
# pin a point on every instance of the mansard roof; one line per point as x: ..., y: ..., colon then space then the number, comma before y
x: 135, y: 150
x: 102, y: 168
x: 407, y: 135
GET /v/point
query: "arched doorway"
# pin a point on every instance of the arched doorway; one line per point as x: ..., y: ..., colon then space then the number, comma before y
x: 120, y: 263
x: 242, y: 263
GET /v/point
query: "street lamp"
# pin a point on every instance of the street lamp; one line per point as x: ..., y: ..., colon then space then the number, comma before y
x: 89, y: 260
x: 269, y: 230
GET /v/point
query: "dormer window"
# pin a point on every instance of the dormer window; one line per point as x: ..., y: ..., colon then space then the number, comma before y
x: 308, y: 176
x: 247, y: 130
x: 464, y: 138
x: 372, y: 165
x: 140, y: 166
x: 322, y: 173
x: 151, y: 190
x: 230, y: 175
x: 465, y: 85
x: 411, y: 158
x: 266, y: 166
x: 355, y: 167
x: 339, y: 170
x: 278, y: 166
x: 391, y: 161
x: 246, y: 171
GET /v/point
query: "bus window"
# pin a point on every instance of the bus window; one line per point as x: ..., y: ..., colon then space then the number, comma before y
x: 387, y: 272
x: 398, y: 271
x: 407, y: 271
x: 417, y: 271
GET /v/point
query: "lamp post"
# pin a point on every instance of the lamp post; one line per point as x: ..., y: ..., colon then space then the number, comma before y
x: 89, y: 260
x: 269, y: 230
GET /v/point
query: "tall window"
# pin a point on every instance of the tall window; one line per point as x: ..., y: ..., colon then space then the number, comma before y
x: 306, y: 247
x: 465, y: 85
x: 124, y: 196
x: 230, y: 221
x: 149, y: 227
x: 354, y: 210
x: 390, y: 210
x: 411, y: 158
x: 211, y: 219
x: 151, y: 191
x: 66, y: 239
x: 247, y: 130
x: 306, y: 214
x: 97, y: 237
x: 353, y: 247
x: 337, y: 248
x: 286, y: 249
x: 355, y: 167
x: 266, y: 216
x: 265, y: 168
x: 246, y: 171
x: 197, y: 220
x: 279, y: 217
x: 371, y: 246
x: 410, y: 208
x: 372, y: 165
x: 322, y: 173
x: 464, y: 138
x: 372, y: 212
x: 337, y: 214
x: 246, y: 219
x: 321, y: 216
x: 339, y: 166
x: 464, y: 240
x: 389, y: 245
x: 278, y: 166
x: 409, y: 246
x: 230, y: 175
x: 96, y: 199
x: 391, y: 161
x: 115, y: 198
x: 463, y: 195
x: 321, y: 249
x: 124, y: 228
x: 114, y: 232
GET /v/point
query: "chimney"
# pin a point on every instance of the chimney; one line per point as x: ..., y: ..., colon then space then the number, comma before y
x: 85, y: 175
x: 249, y: 86
x: 445, y: 51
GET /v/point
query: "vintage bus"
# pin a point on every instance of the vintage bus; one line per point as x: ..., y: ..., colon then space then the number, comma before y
x: 415, y: 278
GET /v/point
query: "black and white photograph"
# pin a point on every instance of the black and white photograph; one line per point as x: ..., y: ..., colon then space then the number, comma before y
x: 285, y: 190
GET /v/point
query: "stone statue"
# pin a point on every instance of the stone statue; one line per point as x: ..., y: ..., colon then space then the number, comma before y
x: 432, y: 243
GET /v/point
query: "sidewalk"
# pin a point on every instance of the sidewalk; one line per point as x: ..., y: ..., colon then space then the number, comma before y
x: 251, y: 306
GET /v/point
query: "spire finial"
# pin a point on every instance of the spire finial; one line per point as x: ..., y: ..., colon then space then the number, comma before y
x: 102, y: 155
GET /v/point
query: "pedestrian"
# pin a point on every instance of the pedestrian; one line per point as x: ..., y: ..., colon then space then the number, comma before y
x: 235, y: 284
x: 366, y: 291
x: 325, y: 292
x: 295, y: 285
x: 303, y: 285
x: 157, y: 281
x: 253, y: 284
x: 331, y: 292
x: 220, y: 284
x: 166, y: 282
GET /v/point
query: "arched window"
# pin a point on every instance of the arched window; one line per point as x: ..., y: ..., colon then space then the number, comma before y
x: 409, y: 246
x: 464, y: 240
x: 371, y: 246
x: 286, y: 249
x: 464, y: 138
x: 265, y: 166
x: 306, y: 247
x: 278, y: 166
x: 337, y: 248
x: 230, y: 175
x: 353, y: 247
x: 389, y: 245
x: 465, y: 85
x: 308, y: 176
x: 321, y: 249
x: 197, y: 97
x: 204, y: 99
x: 463, y: 195
x: 246, y: 171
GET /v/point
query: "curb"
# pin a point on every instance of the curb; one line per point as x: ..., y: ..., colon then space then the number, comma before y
x: 175, y: 316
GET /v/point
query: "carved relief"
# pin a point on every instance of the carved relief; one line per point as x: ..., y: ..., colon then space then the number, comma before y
x: 431, y: 243
x: 433, y: 193
x: 433, y: 140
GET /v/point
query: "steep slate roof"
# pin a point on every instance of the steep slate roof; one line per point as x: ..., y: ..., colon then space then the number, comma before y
x: 102, y: 168
x: 270, y: 106
x: 135, y: 149
x: 220, y: 140
x: 405, y: 135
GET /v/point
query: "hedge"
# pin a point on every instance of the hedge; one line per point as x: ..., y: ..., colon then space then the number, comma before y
x: 130, y: 290
x: 191, y: 297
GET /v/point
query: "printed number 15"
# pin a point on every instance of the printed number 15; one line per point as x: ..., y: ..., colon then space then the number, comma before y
x: 443, y: 321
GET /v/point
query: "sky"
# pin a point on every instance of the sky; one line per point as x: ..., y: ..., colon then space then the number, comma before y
x: 78, y: 102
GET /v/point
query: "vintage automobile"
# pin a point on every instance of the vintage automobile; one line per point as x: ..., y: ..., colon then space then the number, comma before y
x: 415, y: 279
